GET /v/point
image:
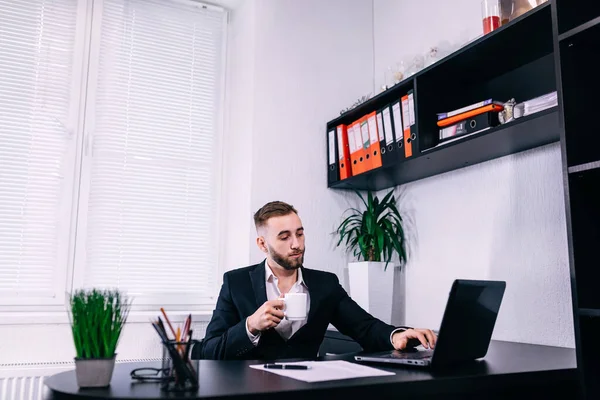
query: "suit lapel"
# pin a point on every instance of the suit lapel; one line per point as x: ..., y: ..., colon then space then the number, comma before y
x: 257, y: 277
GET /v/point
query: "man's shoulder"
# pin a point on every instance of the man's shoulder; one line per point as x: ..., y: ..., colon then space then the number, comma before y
x: 242, y: 272
x: 321, y: 276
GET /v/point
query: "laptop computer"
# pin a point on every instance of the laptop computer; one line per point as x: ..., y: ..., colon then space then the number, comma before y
x: 465, y: 332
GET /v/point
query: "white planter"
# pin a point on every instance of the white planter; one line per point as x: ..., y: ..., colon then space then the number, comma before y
x: 379, y: 292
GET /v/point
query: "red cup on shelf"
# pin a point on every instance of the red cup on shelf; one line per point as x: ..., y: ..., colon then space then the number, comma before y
x: 490, y: 10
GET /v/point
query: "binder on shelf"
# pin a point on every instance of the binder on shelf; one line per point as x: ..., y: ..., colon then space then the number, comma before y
x: 363, y: 125
x: 467, y: 108
x: 408, y: 151
x: 386, y: 137
x: 332, y: 157
x: 359, y: 163
x: 476, y: 124
x: 374, y: 140
x: 397, y: 126
x: 344, y: 164
x: 414, y: 135
x: 355, y: 146
x: 468, y: 114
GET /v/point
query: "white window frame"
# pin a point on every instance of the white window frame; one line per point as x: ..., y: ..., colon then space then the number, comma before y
x: 62, y: 281
x: 71, y: 273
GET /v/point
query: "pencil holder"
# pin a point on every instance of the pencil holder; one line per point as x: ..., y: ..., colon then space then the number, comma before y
x: 180, y: 373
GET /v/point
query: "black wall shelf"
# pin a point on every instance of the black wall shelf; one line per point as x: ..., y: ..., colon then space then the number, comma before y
x: 521, y: 134
x: 576, y: 34
x: 584, y: 167
x: 589, y: 312
x: 575, y: 15
x: 579, y: 29
x: 514, y: 61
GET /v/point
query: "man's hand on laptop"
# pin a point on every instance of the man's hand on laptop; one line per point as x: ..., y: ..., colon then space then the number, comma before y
x: 414, y: 337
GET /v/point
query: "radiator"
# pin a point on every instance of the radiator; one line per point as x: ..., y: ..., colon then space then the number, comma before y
x: 26, y: 381
x: 22, y: 388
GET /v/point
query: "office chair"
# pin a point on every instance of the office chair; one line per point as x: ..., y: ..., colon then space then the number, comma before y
x: 196, y: 353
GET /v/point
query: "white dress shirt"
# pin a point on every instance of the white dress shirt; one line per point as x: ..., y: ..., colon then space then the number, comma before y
x: 287, y: 328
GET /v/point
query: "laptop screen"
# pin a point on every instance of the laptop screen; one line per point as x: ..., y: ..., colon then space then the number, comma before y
x: 468, y: 321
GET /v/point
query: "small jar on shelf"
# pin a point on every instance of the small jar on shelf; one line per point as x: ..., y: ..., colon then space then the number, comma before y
x: 490, y: 13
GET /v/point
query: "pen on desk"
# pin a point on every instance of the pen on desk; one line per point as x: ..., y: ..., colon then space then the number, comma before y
x: 286, y: 366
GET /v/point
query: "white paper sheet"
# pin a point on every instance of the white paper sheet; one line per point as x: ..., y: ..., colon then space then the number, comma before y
x: 320, y: 371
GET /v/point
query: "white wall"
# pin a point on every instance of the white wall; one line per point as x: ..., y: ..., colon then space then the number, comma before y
x: 404, y: 28
x: 237, y: 149
x: 310, y: 63
x: 502, y: 219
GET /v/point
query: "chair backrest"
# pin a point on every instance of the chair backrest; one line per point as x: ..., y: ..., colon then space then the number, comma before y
x: 196, y: 353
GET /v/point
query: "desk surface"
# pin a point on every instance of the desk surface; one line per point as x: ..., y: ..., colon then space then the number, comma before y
x: 506, y: 365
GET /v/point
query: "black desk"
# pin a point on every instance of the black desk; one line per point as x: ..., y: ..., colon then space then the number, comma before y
x: 510, y: 370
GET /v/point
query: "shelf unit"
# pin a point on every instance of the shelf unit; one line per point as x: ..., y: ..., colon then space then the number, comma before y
x: 549, y: 48
x: 515, y: 61
x: 574, y: 16
x: 522, y: 134
x: 576, y: 32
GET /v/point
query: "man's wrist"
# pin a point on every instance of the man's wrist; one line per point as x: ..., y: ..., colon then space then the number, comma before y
x: 397, y: 330
x: 252, y: 337
x: 252, y: 331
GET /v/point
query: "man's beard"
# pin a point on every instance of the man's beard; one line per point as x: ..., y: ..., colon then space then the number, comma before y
x: 287, y: 263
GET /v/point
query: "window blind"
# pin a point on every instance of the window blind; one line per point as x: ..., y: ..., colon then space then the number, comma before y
x: 153, y: 115
x: 37, y: 40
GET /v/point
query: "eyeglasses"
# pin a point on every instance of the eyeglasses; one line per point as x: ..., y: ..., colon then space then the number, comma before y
x: 147, y: 374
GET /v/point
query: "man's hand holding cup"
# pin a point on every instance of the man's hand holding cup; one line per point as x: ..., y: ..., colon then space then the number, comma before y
x: 268, y: 316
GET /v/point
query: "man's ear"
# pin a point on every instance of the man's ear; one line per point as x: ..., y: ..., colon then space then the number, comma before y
x: 262, y: 245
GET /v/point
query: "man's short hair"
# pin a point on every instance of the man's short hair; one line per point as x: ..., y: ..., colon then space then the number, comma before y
x: 270, y: 210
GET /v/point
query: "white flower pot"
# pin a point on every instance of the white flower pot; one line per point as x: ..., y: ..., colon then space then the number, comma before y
x: 379, y: 292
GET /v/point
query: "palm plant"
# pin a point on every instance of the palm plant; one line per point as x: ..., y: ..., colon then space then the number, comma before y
x: 97, y: 320
x: 375, y: 232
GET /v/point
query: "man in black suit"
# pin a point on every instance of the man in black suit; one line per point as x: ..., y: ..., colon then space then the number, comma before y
x: 248, y: 321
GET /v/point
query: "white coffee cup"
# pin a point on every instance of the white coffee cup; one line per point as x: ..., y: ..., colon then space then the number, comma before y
x: 295, y: 306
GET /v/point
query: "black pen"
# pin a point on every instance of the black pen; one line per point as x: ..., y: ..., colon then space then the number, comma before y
x: 286, y: 366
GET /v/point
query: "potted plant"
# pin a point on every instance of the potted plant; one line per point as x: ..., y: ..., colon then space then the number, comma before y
x: 374, y: 235
x: 97, y: 319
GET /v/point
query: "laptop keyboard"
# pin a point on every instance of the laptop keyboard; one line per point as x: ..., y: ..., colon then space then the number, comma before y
x: 419, y: 355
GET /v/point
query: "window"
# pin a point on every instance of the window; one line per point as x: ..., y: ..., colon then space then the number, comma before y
x: 37, y: 147
x: 149, y: 159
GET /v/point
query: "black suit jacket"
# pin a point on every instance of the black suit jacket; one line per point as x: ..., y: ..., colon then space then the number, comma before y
x: 244, y: 291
